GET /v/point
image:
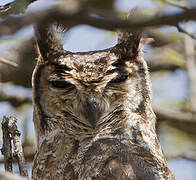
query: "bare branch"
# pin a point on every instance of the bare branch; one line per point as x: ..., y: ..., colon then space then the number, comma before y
x: 10, y: 176
x: 5, y: 61
x: 161, y: 39
x: 180, y: 29
x: 153, y: 67
x: 25, y: 56
x: 79, y: 17
x: 191, y: 69
x: 191, y: 157
x: 29, y: 153
x: 14, y: 7
x: 11, y: 129
x: 185, y: 8
x: 13, y: 99
x: 7, y: 147
x: 172, y: 3
x: 165, y: 114
x: 18, y: 151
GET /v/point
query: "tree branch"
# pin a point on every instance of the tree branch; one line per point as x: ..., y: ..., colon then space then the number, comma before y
x: 180, y: 29
x: 10, y: 63
x: 29, y: 152
x: 185, y: 121
x: 11, y: 129
x: 179, y: 116
x: 13, y: 99
x: 172, y: 3
x: 154, y: 67
x: 160, y: 38
x: 184, y: 156
x: 7, y: 147
x: 80, y: 17
x: 18, y: 151
x: 185, y: 8
x: 191, y: 68
x: 10, y: 176
x: 14, y: 7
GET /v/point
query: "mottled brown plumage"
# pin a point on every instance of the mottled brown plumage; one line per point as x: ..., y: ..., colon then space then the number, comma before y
x: 93, y: 115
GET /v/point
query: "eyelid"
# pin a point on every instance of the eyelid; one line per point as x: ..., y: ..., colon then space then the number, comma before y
x: 57, y: 77
x: 119, y: 78
x: 60, y: 84
x: 52, y: 78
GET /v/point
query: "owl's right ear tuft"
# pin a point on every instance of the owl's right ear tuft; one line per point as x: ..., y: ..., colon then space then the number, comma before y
x: 129, y: 43
x: 128, y: 40
x: 49, y: 46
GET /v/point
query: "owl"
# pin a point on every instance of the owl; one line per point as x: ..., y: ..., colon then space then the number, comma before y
x: 93, y: 114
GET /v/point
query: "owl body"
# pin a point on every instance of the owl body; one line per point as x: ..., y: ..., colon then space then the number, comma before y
x: 93, y: 115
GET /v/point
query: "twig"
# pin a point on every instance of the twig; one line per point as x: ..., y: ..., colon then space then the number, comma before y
x: 29, y: 153
x: 178, y: 116
x: 184, y: 121
x: 180, y: 29
x: 7, y: 147
x: 5, y: 61
x: 154, y: 67
x: 79, y: 17
x: 10, y: 176
x: 13, y: 99
x: 191, y: 68
x: 172, y: 3
x: 184, y: 156
x: 18, y: 151
x: 161, y: 39
x: 24, y: 55
x: 14, y: 7
x: 12, y: 130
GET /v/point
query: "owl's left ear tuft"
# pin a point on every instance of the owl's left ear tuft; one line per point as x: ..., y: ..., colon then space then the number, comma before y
x: 49, y: 46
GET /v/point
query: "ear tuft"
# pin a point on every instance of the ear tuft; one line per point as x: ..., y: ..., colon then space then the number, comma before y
x: 50, y: 47
x: 146, y: 41
x: 130, y: 40
x: 129, y: 43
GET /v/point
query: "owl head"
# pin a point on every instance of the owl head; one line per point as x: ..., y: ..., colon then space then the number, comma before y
x: 87, y: 92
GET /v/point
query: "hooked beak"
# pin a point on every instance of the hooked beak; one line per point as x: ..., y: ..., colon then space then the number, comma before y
x: 92, y: 111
